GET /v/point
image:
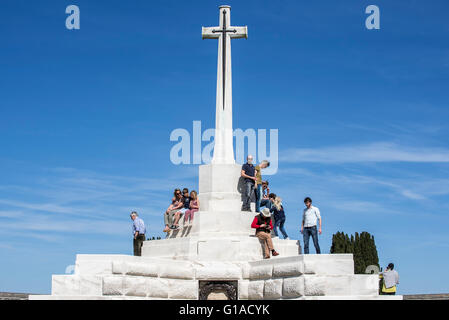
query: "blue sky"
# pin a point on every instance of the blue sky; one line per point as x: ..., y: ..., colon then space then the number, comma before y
x: 86, y: 116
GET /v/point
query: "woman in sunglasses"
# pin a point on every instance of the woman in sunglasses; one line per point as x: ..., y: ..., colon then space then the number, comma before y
x: 177, y: 203
x: 180, y: 212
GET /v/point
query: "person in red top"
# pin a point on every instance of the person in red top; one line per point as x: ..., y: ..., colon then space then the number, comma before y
x: 262, y: 224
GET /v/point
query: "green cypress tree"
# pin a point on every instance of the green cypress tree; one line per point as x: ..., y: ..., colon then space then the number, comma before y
x: 339, y: 244
x: 358, y: 258
x: 375, y: 253
x: 333, y: 246
x: 362, y: 246
x: 348, y: 245
x: 371, y: 258
x: 363, y: 252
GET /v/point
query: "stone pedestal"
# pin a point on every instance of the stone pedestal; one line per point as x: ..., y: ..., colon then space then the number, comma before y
x: 219, y: 187
x: 300, y: 277
x: 219, y: 246
x: 225, y: 251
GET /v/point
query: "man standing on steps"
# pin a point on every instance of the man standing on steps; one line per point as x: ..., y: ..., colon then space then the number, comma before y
x: 249, y: 173
x: 308, y: 226
x: 138, y: 232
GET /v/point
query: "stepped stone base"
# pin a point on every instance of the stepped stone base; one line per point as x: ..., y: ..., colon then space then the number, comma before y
x: 49, y: 297
x: 301, y: 277
x: 219, y: 246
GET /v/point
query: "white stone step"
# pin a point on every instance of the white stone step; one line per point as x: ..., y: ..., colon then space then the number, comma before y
x: 283, y: 277
x: 229, y: 248
x: 287, y: 287
x: 354, y: 297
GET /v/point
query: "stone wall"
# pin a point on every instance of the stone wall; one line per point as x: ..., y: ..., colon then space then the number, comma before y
x: 296, y: 277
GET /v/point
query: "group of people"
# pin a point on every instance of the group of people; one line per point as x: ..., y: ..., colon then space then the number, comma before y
x: 185, y: 204
x: 274, y: 210
x: 263, y: 225
x: 182, y: 204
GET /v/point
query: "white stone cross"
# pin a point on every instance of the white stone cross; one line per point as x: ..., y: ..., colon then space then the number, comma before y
x: 223, y: 148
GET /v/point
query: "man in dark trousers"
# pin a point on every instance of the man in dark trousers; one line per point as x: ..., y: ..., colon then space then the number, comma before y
x: 138, y: 233
x: 249, y: 173
x: 309, y: 226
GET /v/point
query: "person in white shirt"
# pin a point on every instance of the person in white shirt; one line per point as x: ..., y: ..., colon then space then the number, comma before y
x: 308, y: 227
x: 390, y: 280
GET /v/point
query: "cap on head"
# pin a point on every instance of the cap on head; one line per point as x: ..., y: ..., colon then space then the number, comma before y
x: 134, y: 213
x: 266, y: 212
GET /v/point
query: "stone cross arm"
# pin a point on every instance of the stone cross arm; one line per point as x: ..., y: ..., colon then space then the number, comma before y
x: 233, y: 32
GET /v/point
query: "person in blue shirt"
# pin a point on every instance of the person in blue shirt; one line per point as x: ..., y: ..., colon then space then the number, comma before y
x: 138, y: 233
x: 267, y: 197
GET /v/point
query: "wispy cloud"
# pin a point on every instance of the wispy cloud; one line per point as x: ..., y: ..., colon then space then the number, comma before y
x: 373, y: 152
x: 10, y: 213
x: 341, y: 186
x: 6, y: 246
x: 80, y: 202
x: 403, y: 130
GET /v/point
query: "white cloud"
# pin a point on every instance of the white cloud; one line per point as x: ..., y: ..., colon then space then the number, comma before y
x: 80, y: 202
x: 10, y: 213
x: 373, y: 152
x: 384, y: 191
x: 6, y: 246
